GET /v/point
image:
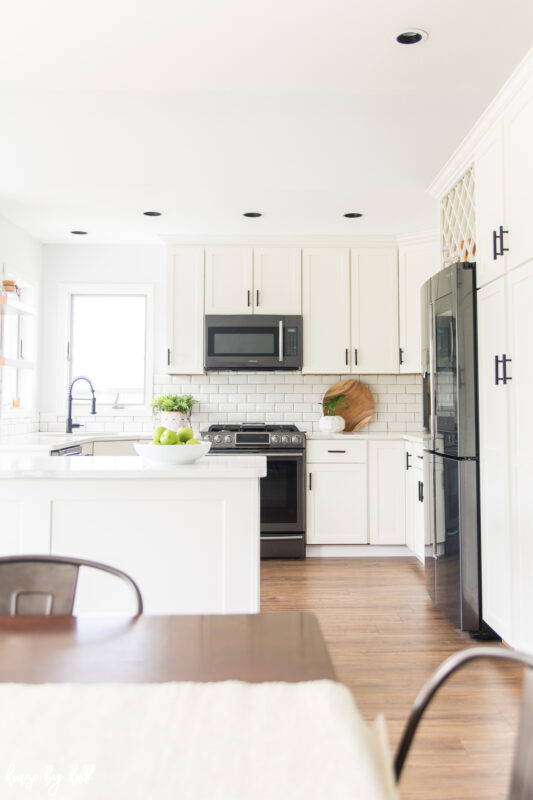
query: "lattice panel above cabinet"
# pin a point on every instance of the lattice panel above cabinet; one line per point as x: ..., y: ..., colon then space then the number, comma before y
x: 458, y: 220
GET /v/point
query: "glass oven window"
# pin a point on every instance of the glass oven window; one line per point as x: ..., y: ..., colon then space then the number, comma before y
x: 279, y: 491
x: 243, y: 341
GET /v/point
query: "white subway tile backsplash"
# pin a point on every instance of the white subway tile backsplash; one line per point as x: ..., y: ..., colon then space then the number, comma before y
x: 256, y: 397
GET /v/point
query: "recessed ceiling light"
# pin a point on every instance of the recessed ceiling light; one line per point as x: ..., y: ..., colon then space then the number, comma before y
x: 79, y: 233
x: 412, y: 36
x: 353, y: 214
x: 152, y: 213
x: 252, y: 214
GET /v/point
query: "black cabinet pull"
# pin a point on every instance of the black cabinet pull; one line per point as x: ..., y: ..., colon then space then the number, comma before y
x: 168, y: 357
x: 497, y: 362
x: 506, y: 378
x: 407, y: 460
x: 502, y: 248
x: 401, y: 355
x: 346, y: 355
x: 420, y: 491
x: 355, y: 356
x: 336, y: 451
x: 257, y: 297
x: 310, y: 481
x: 494, y: 246
x: 248, y: 298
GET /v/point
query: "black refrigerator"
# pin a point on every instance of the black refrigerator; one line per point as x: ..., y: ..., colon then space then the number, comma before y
x: 451, y: 468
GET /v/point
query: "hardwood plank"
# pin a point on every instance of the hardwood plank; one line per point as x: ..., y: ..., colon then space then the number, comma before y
x: 385, y: 639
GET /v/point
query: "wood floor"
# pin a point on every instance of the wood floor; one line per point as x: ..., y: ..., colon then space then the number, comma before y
x: 385, y: 639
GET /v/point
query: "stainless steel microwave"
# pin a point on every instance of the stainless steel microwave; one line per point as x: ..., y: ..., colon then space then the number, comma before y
x: 252, y: 342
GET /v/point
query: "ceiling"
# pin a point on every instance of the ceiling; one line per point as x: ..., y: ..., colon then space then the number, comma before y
x: 203, y: 110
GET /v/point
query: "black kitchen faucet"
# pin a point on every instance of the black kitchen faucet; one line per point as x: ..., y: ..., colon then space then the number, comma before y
x: 70, y: 424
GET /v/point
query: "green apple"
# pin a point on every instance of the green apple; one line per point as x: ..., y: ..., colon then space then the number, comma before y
x: 184, y: 434
x: 156, y: 435
x: 192, y: 441
x: 168, y: 437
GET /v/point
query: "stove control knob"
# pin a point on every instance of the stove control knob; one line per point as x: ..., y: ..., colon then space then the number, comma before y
x: 285, y: 439
x: 207, y: 438
x: 296, y: 440
x: 218, y: 438
x: 275, y: 439
x: 228, y: 438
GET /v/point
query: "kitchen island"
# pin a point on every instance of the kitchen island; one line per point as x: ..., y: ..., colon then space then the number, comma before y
x: 188, y: 535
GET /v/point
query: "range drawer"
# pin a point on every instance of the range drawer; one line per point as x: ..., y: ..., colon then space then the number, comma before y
x: 336, y: 451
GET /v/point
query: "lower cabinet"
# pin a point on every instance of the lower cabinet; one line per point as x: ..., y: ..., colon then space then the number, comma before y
x: 414, y: 501
x: 336, y: 504
x: 386, y: 477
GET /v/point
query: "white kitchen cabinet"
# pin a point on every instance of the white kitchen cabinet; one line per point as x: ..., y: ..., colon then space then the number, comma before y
x: 228, y: 280
x: 414, y: 500
x: 416, y: 264
x: 374, y: 310
x: 336, y: 504
x: 490, y: 211
x: 386, y: 477
x: 326, y: 310
x: 496, y: 555
x: 520, y: 392
x: 185, y: 311
x: 518, y: 136
x: 277, y: 280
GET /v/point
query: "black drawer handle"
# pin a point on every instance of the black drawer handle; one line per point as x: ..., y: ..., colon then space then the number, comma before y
x: 420, y: 491
x: 336, y: 451
x: 407, y: 461
x: 310, y: 481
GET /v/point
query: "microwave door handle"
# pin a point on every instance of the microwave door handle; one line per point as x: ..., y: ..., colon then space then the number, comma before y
x: 281, y: 340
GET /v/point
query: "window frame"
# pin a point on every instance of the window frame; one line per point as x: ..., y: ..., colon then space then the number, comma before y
x: 65, y: 305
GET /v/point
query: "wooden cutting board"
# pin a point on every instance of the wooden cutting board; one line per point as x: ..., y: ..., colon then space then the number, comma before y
x: 359, y: 408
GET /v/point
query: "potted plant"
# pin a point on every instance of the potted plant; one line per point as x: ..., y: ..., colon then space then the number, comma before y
x: 331, y: 422
x: 174, y: 410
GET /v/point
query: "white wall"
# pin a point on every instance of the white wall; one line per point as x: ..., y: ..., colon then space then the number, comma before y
x: 82, y: 263
x: 21, y: 257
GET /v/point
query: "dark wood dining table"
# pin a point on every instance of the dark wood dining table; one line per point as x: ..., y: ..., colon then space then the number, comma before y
x: 153, y: 649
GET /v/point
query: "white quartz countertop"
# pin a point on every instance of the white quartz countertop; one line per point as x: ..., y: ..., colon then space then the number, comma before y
x: 110, y: 467
x: 415, y: 436
x: 46, y: 442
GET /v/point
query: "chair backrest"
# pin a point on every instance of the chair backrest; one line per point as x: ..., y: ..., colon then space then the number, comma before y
x: 47, y: 584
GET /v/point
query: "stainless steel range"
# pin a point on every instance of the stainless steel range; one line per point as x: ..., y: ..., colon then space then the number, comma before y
x: 283, y: 488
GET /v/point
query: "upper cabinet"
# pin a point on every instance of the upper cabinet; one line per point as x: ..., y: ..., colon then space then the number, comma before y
x: 242, y: 280
x: 417, y: 263
x: 228, y: 280
x: 185, y: 311
x: 374, y: 310
x: 491, y: 225
x: 277, y: 280
x: 326, y: 310
x: 518, y: 137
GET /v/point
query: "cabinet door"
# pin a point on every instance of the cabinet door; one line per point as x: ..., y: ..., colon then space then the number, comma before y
x: 519, y: 307
x: 228, y: 280
x: 490, y: 212
x: 326, y: 310
x: 336, y: 504
x: 417, y: 263
x: 374, y: 296
x: 518, y: 130
x: 277, y: 280
x: 494, y: 463
x: 419, y: 545
x: 185, y: 311
x: 386, y: 492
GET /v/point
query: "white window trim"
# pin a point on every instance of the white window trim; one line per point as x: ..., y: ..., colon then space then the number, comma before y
x: 66, y: 290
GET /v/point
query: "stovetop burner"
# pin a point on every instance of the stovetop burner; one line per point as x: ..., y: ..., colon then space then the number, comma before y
x: 254, y: 435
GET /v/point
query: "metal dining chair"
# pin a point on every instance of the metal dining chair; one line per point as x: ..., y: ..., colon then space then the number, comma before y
x: 522, y: 774
x: 46, y: 585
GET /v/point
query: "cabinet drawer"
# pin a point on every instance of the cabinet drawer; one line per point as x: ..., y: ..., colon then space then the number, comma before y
x: 336, y: 451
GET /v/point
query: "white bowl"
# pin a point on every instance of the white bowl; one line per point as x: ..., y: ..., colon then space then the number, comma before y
x: 169, y: 454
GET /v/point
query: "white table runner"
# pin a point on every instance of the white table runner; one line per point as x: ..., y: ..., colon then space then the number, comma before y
x: 189, y: 741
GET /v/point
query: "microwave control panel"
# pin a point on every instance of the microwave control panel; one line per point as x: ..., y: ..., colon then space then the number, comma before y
x: 291, y: 342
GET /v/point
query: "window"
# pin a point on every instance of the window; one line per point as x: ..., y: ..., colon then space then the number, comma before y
x: 108, y: 343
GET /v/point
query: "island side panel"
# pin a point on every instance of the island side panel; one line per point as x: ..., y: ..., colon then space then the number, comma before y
x: 192, y: 545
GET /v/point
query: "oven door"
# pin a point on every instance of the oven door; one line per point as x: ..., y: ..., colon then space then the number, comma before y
x: 252, y: 342
x: 283, y: 493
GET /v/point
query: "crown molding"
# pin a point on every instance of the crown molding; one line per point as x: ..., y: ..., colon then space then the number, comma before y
x: 463, y: 156
x: 430, y: 237
x: 280, y: 241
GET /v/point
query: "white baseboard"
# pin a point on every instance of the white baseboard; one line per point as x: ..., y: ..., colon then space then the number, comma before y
x: 357, y: 551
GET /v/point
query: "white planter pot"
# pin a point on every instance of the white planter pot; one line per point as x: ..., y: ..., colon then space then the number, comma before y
x: 331, y: 424
x: 173, y: 420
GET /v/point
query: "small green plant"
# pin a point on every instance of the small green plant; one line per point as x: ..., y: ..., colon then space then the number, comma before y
x: 174, y: 402
x: 331, y: 405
